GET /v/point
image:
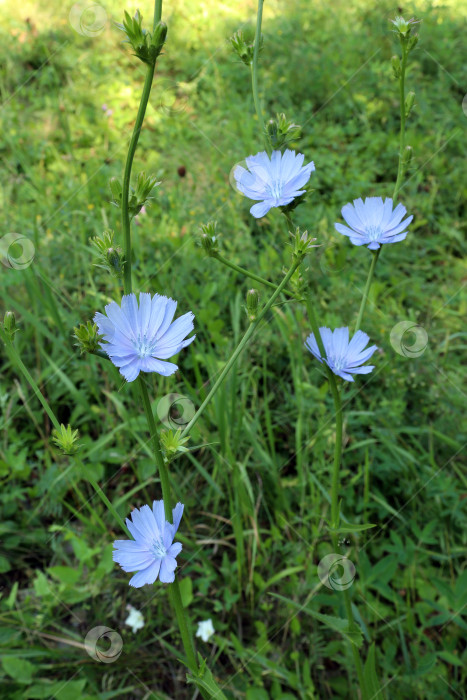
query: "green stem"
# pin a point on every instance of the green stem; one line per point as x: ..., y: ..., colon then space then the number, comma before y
x: 335, y: 479
x: 251, y: 275
x: 397, y: 186
x: 240, y: 347
x: 366, y: 291
x: 400, y: 167
x: 127, y: 175
x: 174, y: 590
x: 254, y: 71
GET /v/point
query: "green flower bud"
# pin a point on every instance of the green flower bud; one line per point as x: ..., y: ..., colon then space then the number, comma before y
x: 66, y: 439
x: 409, y: 103
x: 280, y: 131
x: 252, y: 304
x: 87, y: 337
x: 9, y: 323
x: 116, y: 189
x: 208, y: 239
x: 159, y: 36
x: 244, y: 49
x: 302, y: 244
x: 396, y: 66
x: 173, y: 442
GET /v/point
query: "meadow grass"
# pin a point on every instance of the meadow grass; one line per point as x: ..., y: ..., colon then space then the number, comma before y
x: 255, y: 482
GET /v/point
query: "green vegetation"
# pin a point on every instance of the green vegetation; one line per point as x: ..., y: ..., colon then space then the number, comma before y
x: 255, y: 481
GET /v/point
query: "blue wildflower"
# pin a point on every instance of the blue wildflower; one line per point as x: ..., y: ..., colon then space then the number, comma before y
x: 374, y: 222
x: 139, y: 338
x: 275, y: 182
x: 342, y: 357
x: 152, y: 552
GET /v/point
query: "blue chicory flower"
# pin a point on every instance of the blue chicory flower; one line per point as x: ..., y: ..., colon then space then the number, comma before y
x: 344, y: 358
x: 275, y: 181
x: 152, y: 552
x: 139, y: 338
x: 374, y: 222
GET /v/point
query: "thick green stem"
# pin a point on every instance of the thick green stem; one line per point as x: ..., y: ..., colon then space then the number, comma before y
x: 240, y: 347
x: 254, y: 71
x: 251, y: 275
x: 127, y: 176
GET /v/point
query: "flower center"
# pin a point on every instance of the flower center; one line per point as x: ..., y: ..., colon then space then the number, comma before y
x: 373, y: 232
x: 158, y: 549
x: 276, y: 189
x: 143, y: 346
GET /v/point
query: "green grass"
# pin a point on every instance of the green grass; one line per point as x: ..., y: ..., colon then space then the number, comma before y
x: 256, y: 482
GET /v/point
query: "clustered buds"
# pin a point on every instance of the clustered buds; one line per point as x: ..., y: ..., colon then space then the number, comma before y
x: 252, y: 304
x: 403, y: 28
x: 146, y: 45
x: 9, y: 324
x: 302, y: 244
x: 173, y: 442
x: 209, y: 239
x: 111, y: 257
x: 243, y: 48
x: 87, y: 336
x: 281, y: 131
x: 138, y: 196
x: 65, y: 439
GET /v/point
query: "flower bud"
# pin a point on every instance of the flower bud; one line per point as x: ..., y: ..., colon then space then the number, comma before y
x: 9, y: 323
x: 252, y: 304
x: 159, y: 36
x: 208, y: 238
x: 280, y: 131
x: 87, y: 337
x: 396, y: 66
x: 173, y: 442
x: 409, y: 103
x: 302, y: 244
x: 407, y: 156
x: 66, y: 439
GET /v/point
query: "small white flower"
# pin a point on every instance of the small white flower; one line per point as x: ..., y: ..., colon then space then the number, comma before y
x: 135, y: 619
x: 205, y: 630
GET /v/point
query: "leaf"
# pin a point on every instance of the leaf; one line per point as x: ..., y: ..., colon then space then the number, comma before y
x: 18, y: 669
x: 450, y: 658
x: 64, y: 574
x: 349, y: 527
x: 337, y: 624
x: 186, y: 591
x: 372, y: 685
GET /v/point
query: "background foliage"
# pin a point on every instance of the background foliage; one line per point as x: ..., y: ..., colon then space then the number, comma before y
x: 255, y: 487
